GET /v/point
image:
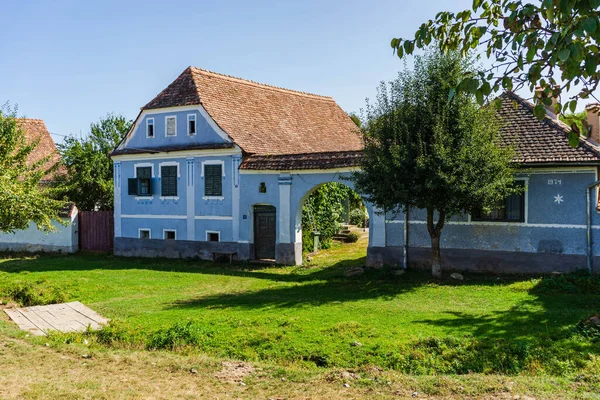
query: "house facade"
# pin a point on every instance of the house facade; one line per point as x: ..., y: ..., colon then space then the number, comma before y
x: 220, y: 164
x: 65, y: 237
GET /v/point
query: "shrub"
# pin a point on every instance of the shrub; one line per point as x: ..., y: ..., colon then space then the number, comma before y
x: 33, y: 294
x: 357, y: 217
x: 352, y: 237
x: 180, y: 335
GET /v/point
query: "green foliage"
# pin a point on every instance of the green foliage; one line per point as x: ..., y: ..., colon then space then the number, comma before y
x: 180, y: 335
x: 352, y: 237
x: 577, y: 122
x: 530, y: 44
x: 321, y: 212
x: 355, y: 118
x: 425, y: 151
x: 32, y: 293
x: 358, y: 216
x: 23, y: 196
x: 89, y: 178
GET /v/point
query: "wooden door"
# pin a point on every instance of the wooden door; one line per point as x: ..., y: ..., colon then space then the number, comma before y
x: 265, y: 232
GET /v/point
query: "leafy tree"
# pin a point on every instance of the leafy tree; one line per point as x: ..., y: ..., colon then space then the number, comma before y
x: 355, y: 119
x: 578, y: 120
x: 23, y: 196
x: 322, y: 211
x: 425, y: 151
x: 89, y: 178
x: 552, y: 44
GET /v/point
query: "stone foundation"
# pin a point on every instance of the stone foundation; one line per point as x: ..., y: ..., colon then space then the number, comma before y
x: 499, y: 262
x: 133, y: 247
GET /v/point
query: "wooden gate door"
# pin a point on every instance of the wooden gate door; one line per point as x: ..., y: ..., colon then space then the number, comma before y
x: 96, y: 230
x: 265, y: 232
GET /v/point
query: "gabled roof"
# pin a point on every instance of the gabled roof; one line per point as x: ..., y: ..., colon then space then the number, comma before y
x: 540, y: 142
x: 263, y: 119
x: 34, y: 129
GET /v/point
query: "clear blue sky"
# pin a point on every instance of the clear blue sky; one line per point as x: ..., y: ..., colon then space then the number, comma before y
x: 71, y: 62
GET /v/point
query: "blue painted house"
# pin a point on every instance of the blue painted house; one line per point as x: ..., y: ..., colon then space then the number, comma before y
x: 220, y: 164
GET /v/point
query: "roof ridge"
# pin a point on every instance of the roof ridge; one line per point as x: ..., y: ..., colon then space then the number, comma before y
x: 564, y: 128
x: 29, y: 119
x: 259, y: 84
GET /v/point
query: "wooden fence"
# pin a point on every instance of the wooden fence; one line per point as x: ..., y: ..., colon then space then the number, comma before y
x: 96, y: 230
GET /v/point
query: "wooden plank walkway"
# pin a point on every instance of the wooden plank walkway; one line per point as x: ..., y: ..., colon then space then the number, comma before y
x: 64, y: 317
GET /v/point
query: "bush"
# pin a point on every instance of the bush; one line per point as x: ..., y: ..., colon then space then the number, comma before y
x: 180, y: 335
x: 357, y: 217
x: 33, y: 294
x: 352, y: 237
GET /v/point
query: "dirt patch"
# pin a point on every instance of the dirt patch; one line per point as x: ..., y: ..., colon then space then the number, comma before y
x: 234, y: 371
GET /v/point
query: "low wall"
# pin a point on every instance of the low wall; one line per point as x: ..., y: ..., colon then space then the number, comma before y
x: 133, y: 247
x: 500, y: 262
x: 64, y: 240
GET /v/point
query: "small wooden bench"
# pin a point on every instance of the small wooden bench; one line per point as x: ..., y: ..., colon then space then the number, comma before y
x: 224, y: 253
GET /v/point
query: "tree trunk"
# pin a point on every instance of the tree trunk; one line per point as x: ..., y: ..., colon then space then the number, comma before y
x: 435, y: 232
x: 436, y: 258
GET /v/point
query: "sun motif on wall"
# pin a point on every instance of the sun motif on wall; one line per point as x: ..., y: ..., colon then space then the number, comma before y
x: 558, y: 199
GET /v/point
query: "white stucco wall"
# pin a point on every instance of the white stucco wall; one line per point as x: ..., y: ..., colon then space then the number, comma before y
x: 65, y: 239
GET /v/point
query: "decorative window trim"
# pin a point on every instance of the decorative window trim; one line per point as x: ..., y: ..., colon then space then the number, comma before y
x: 191, y: 117
x: 166, y: 125
x: 169, y: 197
x: 142, y: 165
x: 144, y: 197
x: 525, y: 181
x: 169, y: 230
x: 217, y: 232
x: 144, y: 229
x: 213, y: 162
x: 213, y: 197
x: 169, y: 164
x: 153, y: 127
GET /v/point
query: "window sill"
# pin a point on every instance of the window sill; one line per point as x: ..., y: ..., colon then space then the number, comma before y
x: 169, y: 197
x: 213, y: 198
x: 144, y: 197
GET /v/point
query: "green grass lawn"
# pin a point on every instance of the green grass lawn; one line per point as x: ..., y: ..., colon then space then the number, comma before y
x: 314, y: 316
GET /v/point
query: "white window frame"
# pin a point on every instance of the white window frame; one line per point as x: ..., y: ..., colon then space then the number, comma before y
x: 525, y: 211
x: 169, y: 230
x: 189, y: 118
x: 169, y: 164
x: 144, y: 229
x: 217, y: 232
x: 167, y: 127
x: 142, y: 165
x: 153, y: 127
x: 213, y: 162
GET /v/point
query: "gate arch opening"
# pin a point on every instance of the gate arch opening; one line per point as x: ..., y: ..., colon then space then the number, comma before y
x: 338, y: 202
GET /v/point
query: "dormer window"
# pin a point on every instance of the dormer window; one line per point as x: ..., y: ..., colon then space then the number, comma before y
x: 191, y: 124
x: 171, y: 126
x: 150, y: 127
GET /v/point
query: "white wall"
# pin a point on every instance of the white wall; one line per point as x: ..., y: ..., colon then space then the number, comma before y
x: 65, y: 239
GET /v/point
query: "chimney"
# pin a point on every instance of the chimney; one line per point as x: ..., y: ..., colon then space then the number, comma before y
x: 549, y: 108
x: 593, y: 121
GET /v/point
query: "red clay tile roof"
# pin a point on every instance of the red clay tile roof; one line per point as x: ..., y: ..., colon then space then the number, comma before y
x: 303, y: 161
x: 540, y: 142
x: 262, y: 119
x: 35, y: 129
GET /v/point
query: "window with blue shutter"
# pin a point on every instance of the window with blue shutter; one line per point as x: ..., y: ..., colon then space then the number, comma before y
x: 213, y: 180
x: 168, y: 180
x: 144, y: 181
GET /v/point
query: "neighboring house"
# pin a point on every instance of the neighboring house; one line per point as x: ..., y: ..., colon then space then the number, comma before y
x: 217, y: 163
x: 65, y: 239
x: 542, y: 230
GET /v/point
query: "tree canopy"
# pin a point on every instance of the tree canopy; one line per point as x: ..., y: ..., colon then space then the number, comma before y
x: 24, y: 198
x: 89, y: 178
x: 424, y: 151
x: 552, y: 44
